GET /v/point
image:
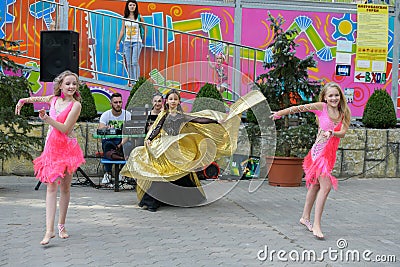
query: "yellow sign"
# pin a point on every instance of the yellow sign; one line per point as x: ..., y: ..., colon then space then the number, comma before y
x: 372, y: 37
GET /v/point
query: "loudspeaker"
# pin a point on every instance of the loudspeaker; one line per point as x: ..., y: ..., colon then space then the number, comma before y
x: 211, y: 172
x: 59, y: 51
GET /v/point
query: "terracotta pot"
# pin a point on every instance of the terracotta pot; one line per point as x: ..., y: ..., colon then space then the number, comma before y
x: 285, y: 171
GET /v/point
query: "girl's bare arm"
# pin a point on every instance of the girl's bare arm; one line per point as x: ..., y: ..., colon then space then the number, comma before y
x: 297, y: 109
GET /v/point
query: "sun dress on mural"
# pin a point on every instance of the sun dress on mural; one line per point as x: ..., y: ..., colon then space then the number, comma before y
x: 61, y: 153
x: 321, y: 159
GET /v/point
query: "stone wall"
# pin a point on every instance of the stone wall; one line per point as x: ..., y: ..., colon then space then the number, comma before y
x: 362, y: 153
x: 90, y: 146
x: 369, y: 153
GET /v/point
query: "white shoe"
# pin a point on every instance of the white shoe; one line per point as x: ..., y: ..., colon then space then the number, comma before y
x: 106, y: 178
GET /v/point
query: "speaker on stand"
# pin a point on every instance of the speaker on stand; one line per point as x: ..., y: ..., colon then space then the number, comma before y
x: 59, y: 51
x: 212, y: 171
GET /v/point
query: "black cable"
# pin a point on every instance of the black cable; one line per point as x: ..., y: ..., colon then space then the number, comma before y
x: 382, y: 160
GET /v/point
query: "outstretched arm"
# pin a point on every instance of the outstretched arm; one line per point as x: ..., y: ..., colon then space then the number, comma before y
x: 296, y: 109
x: 203, y: 120
x: 32, y: 99
x: 209, y: 62
x: 156, y: 130
x: 227, y: 55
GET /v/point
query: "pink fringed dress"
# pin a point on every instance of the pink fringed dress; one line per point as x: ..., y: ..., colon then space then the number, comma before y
x: 62, y: 153
x: 321, y: 159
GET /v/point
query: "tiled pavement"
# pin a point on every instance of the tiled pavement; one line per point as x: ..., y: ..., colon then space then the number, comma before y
x: 107, y: 229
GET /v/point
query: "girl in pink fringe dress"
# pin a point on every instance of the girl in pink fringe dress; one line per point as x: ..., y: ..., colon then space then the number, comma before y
x: 334, y: 120
x: 62, y: 154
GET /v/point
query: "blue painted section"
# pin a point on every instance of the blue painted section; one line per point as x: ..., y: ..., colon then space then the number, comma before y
x: 104, y: 55
x: 158, y: 33
x: 43, y: 10
x: 170, y: 34
x: 5, y: 16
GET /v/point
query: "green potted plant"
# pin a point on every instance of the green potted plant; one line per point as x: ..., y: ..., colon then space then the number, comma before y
x: 287, y: 84
x: 88, y: 111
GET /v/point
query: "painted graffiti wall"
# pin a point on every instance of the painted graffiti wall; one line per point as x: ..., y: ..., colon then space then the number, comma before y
x: 319, y: 33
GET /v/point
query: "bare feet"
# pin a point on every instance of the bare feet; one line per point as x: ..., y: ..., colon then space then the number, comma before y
x: 47, y: 237
x: 306, y: 223
x: 62, y: 233
x: 318, y: 234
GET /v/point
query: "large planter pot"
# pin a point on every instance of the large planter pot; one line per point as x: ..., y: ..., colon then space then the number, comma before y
x: 285, y: 171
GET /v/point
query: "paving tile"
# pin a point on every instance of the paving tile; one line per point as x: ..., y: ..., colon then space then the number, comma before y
x: 107, y: 229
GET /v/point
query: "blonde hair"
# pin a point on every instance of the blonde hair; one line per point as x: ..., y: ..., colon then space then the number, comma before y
x: 59, y: 80
x: 344, y: 109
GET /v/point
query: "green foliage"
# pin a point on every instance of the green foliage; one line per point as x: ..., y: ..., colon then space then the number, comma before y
x: 88, y: 112
x: 297, y: 139
x: 379, y: 112
x: 13, y: 88
x: 141, y: 94
x: 251, y: 117
x: 284, y: 82
x: 287, y: 74
x: 15, y: 129
x: 208, y: 98
x: 7, y: 48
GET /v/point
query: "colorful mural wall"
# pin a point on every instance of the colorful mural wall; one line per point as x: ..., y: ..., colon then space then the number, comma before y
x: 319, y: 33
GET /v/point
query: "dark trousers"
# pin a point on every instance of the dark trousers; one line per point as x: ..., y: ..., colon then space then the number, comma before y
x: 108, y: 145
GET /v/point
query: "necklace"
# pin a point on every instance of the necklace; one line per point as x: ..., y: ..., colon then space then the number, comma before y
x: 61, y: 105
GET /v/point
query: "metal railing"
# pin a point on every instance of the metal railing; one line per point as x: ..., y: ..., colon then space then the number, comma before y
x: 28, y: 15
x: 173, y: 50
x: 173, y: 54
x: 388, y: 2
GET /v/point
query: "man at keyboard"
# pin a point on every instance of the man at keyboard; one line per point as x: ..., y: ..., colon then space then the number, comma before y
x: 112, y: 121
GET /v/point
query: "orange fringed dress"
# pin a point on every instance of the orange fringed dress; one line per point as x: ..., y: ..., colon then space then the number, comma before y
x: 61, y: 154
x: 321, y: 159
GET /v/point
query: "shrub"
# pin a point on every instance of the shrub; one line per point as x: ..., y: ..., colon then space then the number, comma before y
x: 141, y: 94
x: 12, y: 89
x: 208, y: 98
x: 15, y: 140
x: 379, y: 111
x: 88, y: 112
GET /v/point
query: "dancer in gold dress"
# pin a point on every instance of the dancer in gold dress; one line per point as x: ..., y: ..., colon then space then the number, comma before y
x: 179, y: 144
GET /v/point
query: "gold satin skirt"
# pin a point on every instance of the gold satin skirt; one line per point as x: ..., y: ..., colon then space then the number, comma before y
x: 169, y: 158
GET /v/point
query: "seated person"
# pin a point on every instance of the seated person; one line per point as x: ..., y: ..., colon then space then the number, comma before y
x: 157, y: 102
x: 113, y: 118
